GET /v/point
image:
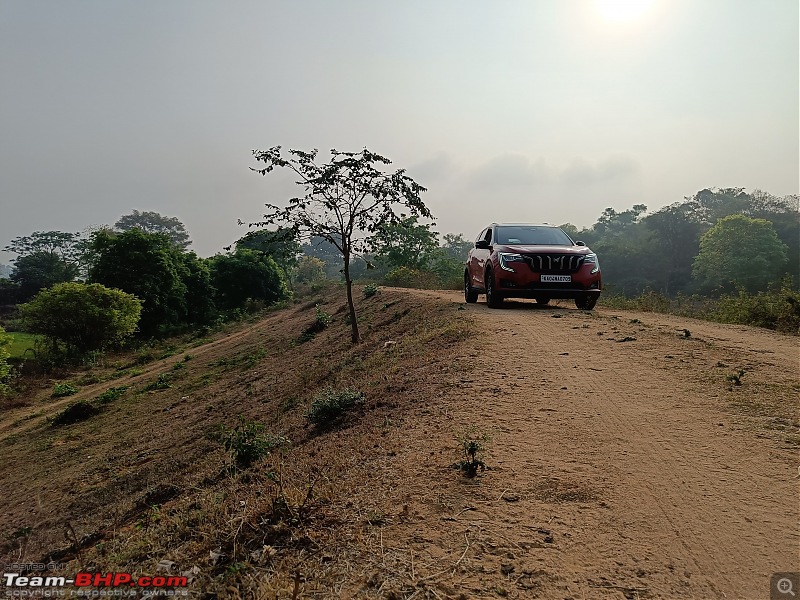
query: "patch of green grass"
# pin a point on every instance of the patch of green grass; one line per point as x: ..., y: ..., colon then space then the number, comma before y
x: 21, y: 344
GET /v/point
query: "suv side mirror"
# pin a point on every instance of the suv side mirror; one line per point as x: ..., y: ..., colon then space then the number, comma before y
x: 579, y: 243
x: 482, y: 245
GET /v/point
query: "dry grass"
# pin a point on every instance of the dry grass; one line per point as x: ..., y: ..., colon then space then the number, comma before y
x: 144, y: 481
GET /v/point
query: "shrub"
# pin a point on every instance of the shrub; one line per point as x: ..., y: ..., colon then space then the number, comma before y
x: 472, y: 443
x: 778, y: 308
x: 370, y: 290
x: 330, y: 405
x: 248, y: 443
x: 82, y: 317
x: 111, y: 394
x: 77, y: 411
x: 60, y: 390
x: 412, y: 278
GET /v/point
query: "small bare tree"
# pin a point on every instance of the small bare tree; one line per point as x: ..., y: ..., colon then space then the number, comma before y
x: 346, y: 201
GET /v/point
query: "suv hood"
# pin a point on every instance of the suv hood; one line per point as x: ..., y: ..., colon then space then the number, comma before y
x: 537, y: 249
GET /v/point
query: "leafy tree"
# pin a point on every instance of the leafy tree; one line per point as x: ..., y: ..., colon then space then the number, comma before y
x: 346, y: 201
x: 200, y: 292
x: 310, y: 269
x: 148, y: 265
x: 280, y: 244
x: 59, y: 243
x: 153, y: 222
x: 44, y: 259
x: 82, y: 317
x: 40, y: 270
x: 740, y: 252
x: 247, y: 274
x: 405, y: 243
x: 456, y: 246
x: 5, y: 368
x: 320, y: 248
x: 676, y: 241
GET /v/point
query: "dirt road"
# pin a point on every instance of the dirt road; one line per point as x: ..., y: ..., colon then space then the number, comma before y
x: 624, y: 462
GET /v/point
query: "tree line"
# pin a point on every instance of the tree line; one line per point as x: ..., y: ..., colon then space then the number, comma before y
x: 714, y: 242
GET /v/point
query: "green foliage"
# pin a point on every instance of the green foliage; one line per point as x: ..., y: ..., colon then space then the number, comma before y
x: 75, y: 412
x: 348, y: 202
x: 151, y: 267
x: 61, y: 390
x: 153, y: 222
x: 248, y: 443
x: 281, y: 245
x: 778, y: 308
x: 161, y: 383
x: 472, y: 443
x: 370, y: 290
x: 330, y: 406
x: 309, y: 269
x: 321, y: 318
x: 405, y: 243
x: 111, y: 394
x: 412, y: 278
x: 247, y: 274
x: 40, y: 270
x: 5, y: 368
x: 740, y: 252
x: 82, y: 317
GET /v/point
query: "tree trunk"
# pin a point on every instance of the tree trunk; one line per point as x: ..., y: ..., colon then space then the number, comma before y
x: 350, y: 305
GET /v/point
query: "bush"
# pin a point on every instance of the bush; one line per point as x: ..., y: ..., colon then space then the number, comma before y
x: 330, y: 405
x: 111, y: 394
x: 75, y: 412
x: 248, y: 443
x: 412, y: 278
x: 370, y: 290
x: 82, y: 317
x: 60, y: 390
x: 778, y: 309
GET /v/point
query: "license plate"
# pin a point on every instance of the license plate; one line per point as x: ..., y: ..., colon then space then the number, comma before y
x: 556, y: 278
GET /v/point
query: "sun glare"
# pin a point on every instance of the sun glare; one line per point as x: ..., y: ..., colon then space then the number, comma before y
x: 622, y: 11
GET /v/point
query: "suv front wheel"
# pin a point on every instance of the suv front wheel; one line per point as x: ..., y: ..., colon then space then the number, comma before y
x: 493, y: 298
x: 470, y: 295
x: 586, y: 302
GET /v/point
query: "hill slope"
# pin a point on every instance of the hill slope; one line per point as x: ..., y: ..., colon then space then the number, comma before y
x: 621, y: 460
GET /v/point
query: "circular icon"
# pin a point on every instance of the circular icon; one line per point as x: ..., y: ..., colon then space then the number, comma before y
x: 785, y: 586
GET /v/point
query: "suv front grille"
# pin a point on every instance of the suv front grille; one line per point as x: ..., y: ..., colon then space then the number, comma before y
x: 554, y: 263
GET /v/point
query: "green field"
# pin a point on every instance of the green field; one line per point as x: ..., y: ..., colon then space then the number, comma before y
x: 20, y: 342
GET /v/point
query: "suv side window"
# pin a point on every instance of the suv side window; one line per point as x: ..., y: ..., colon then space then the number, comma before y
x: 488, y: 236
x: 481, y: 236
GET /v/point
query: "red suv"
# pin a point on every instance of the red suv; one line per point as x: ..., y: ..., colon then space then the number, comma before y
x: 520, y: 260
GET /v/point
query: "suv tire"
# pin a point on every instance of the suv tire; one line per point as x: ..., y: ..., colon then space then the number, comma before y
x: 470, y: 295
x: 493, y: 299
x: 586, y: 302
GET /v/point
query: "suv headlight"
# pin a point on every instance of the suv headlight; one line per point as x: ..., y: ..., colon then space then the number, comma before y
x: 591, y: 259
x: 508, y: 257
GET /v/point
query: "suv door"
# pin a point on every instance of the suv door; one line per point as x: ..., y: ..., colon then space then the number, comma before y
x: 478, y: 259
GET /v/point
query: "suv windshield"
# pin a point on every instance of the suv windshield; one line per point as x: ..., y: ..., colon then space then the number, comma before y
x: 532, y: 235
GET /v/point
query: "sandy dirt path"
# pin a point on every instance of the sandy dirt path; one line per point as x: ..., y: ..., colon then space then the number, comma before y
x: 623, y: 463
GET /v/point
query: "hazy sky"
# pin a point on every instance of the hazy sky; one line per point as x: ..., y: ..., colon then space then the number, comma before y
x: 524, y: 110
